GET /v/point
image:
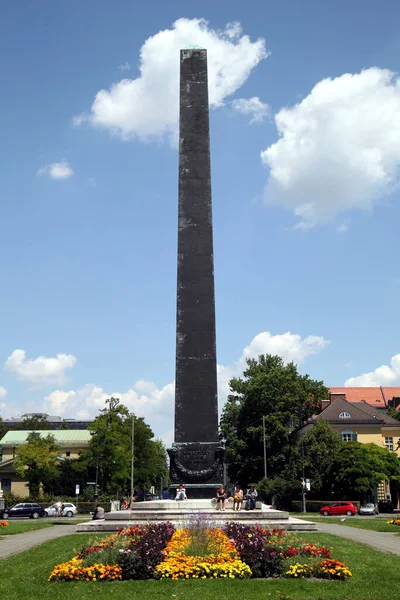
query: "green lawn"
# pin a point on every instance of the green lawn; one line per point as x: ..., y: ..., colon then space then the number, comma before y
x: 375, y: 576
x: 14, y: 527
x: 371, y: 524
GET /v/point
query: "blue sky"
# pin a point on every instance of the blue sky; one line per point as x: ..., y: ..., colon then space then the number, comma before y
x: 305, y: 233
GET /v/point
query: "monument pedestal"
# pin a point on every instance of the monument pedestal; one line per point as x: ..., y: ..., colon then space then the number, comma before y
x: 198, y: 466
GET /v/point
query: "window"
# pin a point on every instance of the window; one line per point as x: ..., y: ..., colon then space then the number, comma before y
x: 389, y: 443
x: 68, y: 454
x: 348, y: 436
x: 6, y: 485
x: 345, y: 415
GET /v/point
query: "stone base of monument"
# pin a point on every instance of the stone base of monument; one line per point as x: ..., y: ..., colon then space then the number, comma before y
x: 179, y: 514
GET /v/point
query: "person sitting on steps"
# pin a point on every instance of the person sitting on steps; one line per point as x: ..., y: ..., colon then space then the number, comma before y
x: 251, y: 498
x: 237, y: 498
x: 221, y: 496
x: 181, y: 493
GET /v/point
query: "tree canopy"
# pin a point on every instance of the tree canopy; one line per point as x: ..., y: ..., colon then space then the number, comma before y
x: 111, y: 448
x: 273, y: 389
x: 36, y: 460
x: 359, y: 468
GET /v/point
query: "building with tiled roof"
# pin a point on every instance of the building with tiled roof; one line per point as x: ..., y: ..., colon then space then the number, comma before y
x: 363, y: 422
x: 380, y: 397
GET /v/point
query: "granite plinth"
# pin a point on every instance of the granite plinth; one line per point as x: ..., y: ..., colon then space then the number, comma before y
x: 179, y: 514
x: 198, y: 465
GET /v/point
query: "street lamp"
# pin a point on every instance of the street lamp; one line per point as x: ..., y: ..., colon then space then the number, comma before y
x: 96, y: 488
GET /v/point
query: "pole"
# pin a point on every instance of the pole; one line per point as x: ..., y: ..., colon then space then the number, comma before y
x: 132, y: 453
x: 96, y: 493
x: 304, y: 481
x: 265, y: 450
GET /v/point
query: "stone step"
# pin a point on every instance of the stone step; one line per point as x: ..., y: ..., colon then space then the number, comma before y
x: 291, y: 523
x: 170, y: 515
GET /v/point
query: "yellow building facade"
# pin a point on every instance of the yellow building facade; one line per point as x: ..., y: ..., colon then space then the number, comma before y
x: 71, y: 442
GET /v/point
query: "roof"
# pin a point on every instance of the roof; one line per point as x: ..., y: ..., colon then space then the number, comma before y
x: 361, y: 412
x: 73, y: 437
x: 376, y: 396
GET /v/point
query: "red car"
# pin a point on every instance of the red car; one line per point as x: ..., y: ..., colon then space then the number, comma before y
x: 339, y: 508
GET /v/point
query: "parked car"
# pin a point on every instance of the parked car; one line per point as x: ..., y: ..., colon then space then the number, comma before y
x: 339, y: 508
x: 368, y: 509
x: 54, y: 510
x: 23, y: 509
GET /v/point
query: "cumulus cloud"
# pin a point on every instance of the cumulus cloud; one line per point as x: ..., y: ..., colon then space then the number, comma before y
x: 290, y: 346
x: 383, y: 375
x: 147, y: 107
x: 253, y: 107
x: 144, y: 398
x: 58, y: 170
x: 3, y: 392
x: 41, y: 370
x: 156, y: 404
x: 339, y: 148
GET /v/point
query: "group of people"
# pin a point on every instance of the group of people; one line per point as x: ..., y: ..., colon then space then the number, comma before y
x: 250, y: 498
x: 239, y: 497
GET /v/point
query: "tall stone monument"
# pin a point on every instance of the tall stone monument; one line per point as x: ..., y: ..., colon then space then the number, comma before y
x: 196, y: 456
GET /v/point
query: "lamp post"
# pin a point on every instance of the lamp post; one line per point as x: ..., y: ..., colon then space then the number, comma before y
x: 303, y: 490
x: 132, y: 454
x: 96, y: 484
x: 265, y: 450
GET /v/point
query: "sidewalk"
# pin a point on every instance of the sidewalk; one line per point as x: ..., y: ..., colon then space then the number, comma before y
x: 385, y: 542
x: 13, y: 544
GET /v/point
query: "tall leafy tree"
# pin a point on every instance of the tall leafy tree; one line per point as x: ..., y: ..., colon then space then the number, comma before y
x: 273, y: 389
x: 111, y: 450
x: 37, y: 459
x: 357, y: 469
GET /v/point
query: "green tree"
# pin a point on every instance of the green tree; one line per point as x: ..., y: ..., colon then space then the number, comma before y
x: 111, y: 450
x: 395, y: 413
x: 35, y: 423
x: 321, y: 445
x: 277, y: 391
x: 357, y: 469
x: 36, y: 460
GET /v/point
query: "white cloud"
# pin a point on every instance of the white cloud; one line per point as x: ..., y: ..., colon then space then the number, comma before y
x: 291, y: 347
x: 125, y: 67
x: 383, y: 375
x: 41, y: 370
x: 339, y: 148
x: 147, y: 107
x: 343, y: 228
x: 156, y: 404
x: 144, y: 399
x: 3, y: 392
x: 253, y: 107
x: 58, y: 170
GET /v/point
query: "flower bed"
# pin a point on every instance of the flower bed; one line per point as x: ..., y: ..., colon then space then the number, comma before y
x: 3, y: 524
x: 221, y: 559
x: 201, y: 551
x: 393, y: 522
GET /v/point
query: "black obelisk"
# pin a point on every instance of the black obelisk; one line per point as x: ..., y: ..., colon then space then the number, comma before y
x: 195, y: 456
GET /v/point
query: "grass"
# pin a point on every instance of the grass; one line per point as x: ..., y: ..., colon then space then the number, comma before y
x: 370, y: 524
x: 15, y: 527
x: 375, y: 576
